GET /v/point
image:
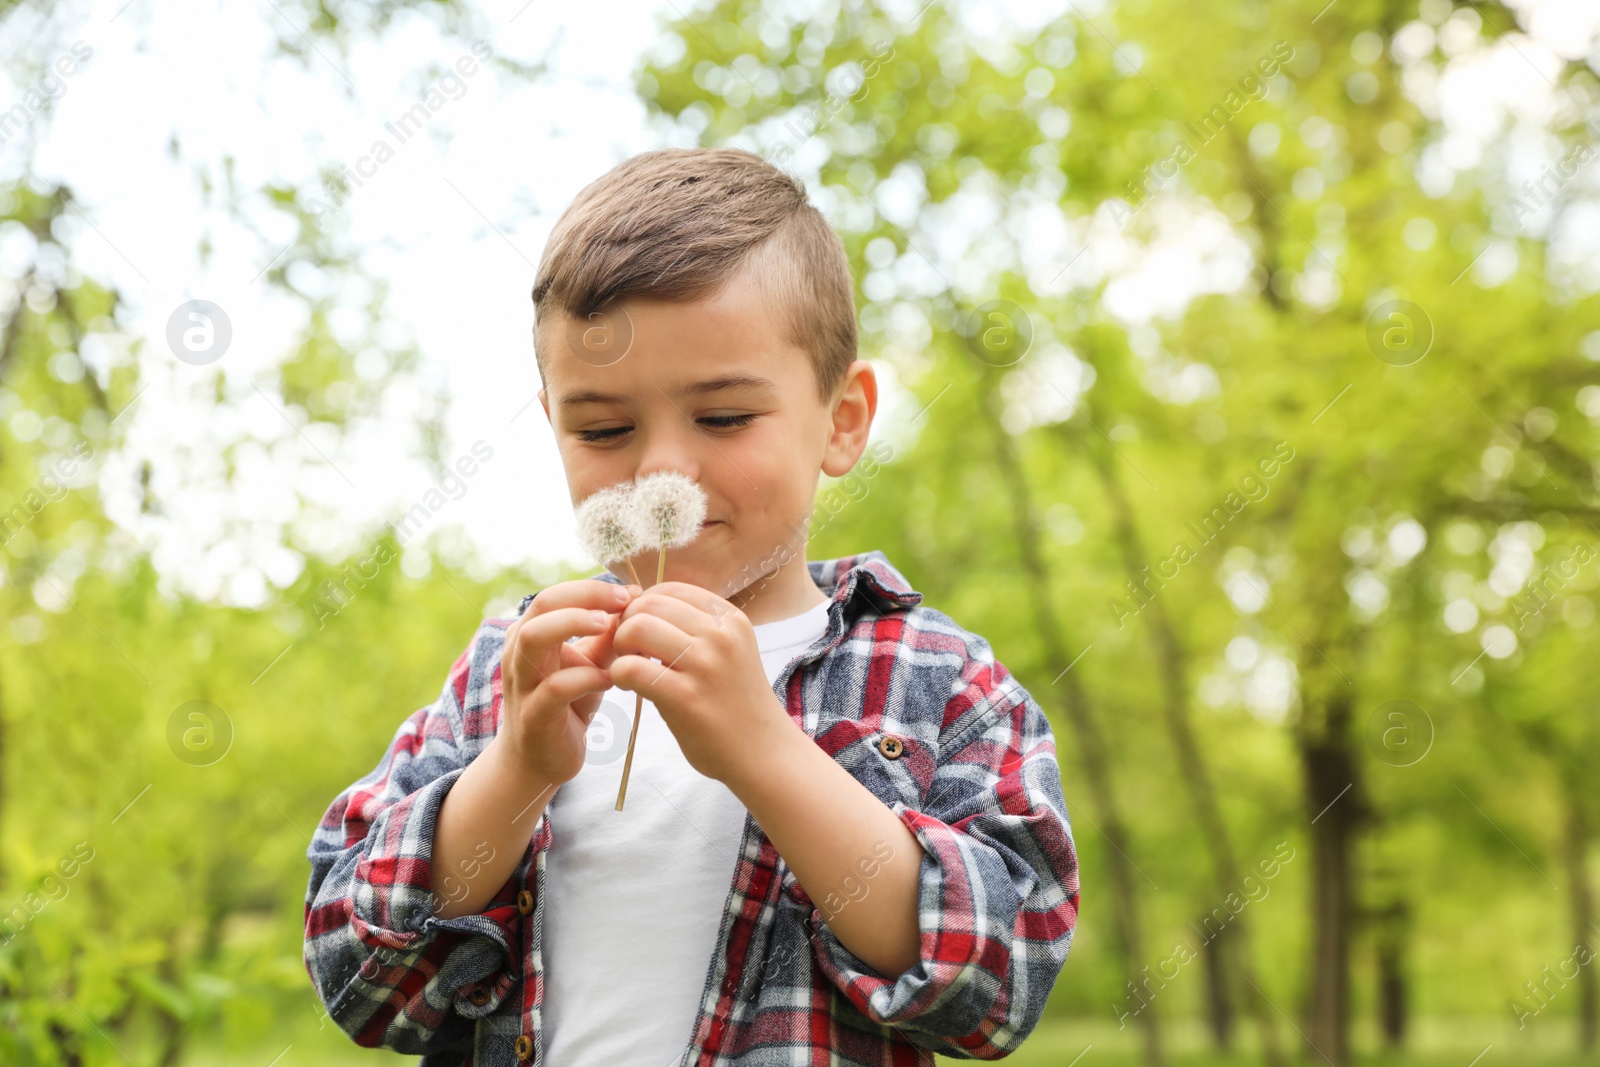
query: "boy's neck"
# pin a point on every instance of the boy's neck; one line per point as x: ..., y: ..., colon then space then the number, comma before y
x: 783, y: 594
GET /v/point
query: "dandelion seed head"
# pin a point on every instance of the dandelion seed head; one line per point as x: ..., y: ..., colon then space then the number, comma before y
x: 606, y: 526
x: 668, y: 508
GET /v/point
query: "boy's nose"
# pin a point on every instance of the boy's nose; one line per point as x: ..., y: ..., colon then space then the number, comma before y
x: 671, y: 451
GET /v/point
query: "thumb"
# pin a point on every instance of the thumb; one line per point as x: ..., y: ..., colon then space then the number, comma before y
x: 587, y: 707
x: 600, y: 648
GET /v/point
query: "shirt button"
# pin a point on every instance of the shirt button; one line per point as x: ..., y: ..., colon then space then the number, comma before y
x: 891, y: 747
x: 524, y: 1048
x: 525, y: 902
x: 479, y: 995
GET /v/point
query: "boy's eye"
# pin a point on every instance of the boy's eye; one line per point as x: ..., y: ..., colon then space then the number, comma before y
x: 716, y: 422
x: 601, y: 435
x: 728, y: 422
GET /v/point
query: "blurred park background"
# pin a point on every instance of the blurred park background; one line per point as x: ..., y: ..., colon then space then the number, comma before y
x: 1242, y: 374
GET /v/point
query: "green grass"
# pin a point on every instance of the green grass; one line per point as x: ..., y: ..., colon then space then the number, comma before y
x: 1433, y: 1043
x: 1056, y: 1043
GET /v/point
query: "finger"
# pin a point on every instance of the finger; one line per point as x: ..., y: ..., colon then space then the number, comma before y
x: 571, y: 683
x: 646, y: 677
x: 514, y: 660
x: 599, y: 648
x: 699, y: 596
x: 592, y: 593
x: 572, y: 656
x: 692, y: 616
x: 586, y: 706
x: 547, y: 630
x: 531, y: 655
x: 653, y: 636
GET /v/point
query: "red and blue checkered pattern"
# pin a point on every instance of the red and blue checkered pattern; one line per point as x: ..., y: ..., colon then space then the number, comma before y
x: 977, y: 782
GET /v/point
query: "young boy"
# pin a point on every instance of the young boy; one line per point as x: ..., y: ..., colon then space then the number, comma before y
x: 844, y: 839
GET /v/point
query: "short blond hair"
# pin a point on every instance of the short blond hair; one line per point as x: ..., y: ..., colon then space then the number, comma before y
x: 679, y: 223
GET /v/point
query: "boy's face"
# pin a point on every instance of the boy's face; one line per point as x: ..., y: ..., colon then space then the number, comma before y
x: 713, y: 389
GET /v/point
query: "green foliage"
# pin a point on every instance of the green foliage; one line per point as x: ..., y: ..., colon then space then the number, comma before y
x: 1484, y: 431
x: 183, y: 925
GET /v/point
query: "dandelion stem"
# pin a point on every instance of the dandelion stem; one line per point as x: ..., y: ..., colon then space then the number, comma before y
x: 638, y: 698
x: 665, y: 509
x: 633, y: 735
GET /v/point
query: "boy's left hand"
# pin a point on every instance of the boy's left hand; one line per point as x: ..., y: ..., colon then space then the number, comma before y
x: 709, y: 687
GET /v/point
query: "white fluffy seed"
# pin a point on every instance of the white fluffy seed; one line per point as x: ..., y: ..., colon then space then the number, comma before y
x: 668, y: 508
x: 606, y: 525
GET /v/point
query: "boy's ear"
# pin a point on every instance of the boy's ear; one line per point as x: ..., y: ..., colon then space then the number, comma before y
x: 544, y: 402
x: 853, y: 409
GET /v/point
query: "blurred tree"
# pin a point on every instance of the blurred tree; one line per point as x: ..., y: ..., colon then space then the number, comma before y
x: 1197, y: 269
x: 971, y: 168
x: 147, y: 894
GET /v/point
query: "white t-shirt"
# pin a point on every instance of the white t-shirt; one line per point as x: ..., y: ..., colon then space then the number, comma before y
x: 634, y: 898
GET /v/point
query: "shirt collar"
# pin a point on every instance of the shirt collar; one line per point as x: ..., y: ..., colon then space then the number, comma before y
x: 871, y: 575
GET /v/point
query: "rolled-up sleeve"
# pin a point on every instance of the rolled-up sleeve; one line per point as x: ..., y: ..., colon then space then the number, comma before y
x: 997, y: 887
x: 390, y: 973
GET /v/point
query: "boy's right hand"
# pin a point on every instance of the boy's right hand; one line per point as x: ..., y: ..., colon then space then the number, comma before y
x: 550, y: 689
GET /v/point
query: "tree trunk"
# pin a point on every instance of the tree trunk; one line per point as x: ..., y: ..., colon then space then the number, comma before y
x: 8, y: 348
x: 1580, y: 896
x: 1219, y: 1006
x: 3, y: 781
x: 1391, y: 1001
x: 1391, y: 926
x: 1232, y: 956
x: 67, y: 1045
x: 1332, y: 802
x: 1071, y: 698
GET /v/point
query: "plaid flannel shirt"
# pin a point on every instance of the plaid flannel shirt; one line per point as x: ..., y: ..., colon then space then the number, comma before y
x: 974, y: 777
